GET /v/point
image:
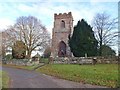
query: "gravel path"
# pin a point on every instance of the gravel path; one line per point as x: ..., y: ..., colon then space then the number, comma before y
x: 31, y: 79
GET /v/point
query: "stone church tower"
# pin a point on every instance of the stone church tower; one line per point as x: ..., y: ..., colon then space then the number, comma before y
x: 63, y: 27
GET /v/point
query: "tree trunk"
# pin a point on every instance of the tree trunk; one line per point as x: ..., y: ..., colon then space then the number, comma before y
x: 100, y: 51
x: 28, y: 54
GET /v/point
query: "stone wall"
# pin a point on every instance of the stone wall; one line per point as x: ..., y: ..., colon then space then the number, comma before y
x: 20, y: 62
x: 83, y: 60
x: 107, y: 59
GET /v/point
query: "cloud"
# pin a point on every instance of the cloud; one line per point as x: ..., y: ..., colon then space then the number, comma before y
x: 115, y: 48
x: 4, y: 23
x: 45, y: 10
x: 104, y: 1
x: 45, y: 1
x: 60, y: 1
x: 24, y: 8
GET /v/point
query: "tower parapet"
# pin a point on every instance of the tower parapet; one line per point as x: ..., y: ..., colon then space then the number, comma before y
x: 64, y: 15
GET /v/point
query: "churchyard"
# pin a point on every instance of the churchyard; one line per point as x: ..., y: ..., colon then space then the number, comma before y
x: 74, y: 53
x: 103, y: 74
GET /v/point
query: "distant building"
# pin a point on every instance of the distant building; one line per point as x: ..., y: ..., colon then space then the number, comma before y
x: 36, y: 58
x: 9, y: 51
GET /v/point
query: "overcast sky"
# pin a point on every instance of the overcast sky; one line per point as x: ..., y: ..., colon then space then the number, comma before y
x: 44, y: 10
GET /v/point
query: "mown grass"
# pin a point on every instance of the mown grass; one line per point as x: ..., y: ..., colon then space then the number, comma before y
x: 21, y: 66
x: 100, y: 74
x: 4, y: 78
x: 44, y: 60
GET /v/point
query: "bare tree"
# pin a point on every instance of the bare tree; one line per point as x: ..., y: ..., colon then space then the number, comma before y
x: 31, y: 32
x: 4, y: 43
x: 8, y: 37
x: 104, y: 28
x: 0, y: 46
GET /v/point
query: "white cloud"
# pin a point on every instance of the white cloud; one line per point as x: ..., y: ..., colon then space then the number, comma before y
x: 45, y: 1
x: 59, y: 1
x: 4, y: 23
x: 25, y: 8
x: 104, y: 0
x: 45, y: 11
x: 115, y: 48
x: 49, y: 28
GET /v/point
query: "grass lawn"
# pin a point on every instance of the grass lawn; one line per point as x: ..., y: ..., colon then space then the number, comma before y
x: 4, y: 78
x: 44, y: 60
x: 100, y: 74
x: 21, y: 66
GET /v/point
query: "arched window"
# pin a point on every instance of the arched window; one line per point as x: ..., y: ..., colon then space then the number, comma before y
x: 62, y: 24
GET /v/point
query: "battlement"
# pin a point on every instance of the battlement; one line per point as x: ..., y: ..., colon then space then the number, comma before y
x: 64, y: 15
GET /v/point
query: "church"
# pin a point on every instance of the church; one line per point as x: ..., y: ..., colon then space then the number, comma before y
x: 62, y: 29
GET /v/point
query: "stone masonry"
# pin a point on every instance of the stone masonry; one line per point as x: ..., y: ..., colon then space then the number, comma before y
x: 63, y: 27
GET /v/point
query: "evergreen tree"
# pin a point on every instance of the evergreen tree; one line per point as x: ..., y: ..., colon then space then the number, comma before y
x: 19, y: 50
x: 47, y: 52
x: 83, y: 40
x: 107, y: 51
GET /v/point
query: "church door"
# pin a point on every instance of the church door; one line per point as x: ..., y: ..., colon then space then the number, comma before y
x: 62, y: 49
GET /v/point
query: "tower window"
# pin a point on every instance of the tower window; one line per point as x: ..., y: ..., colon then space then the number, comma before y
x: 62, y: 24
